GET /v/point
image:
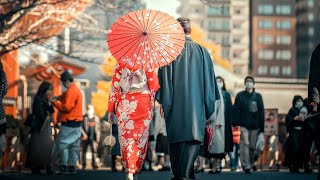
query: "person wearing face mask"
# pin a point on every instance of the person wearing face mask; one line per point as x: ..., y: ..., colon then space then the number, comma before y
x: 295, y: 127
x: 71, y: 117
x: 249, y: 115
x: 41, y: 141
x: 220, y: 121
x: 90, y: 130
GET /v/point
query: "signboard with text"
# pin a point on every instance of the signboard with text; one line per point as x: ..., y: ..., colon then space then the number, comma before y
x: 271, y: 122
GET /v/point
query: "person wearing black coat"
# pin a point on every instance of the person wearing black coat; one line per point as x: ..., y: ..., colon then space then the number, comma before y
x: 314, y: 100
x: 3, y: 92
x: 41, y: 142
x: 295, y: 128
x: 249, y: 115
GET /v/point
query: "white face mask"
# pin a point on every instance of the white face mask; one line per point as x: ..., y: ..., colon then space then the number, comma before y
x: 249, y: 85
x: 220, y: 85
x: 299, y: 104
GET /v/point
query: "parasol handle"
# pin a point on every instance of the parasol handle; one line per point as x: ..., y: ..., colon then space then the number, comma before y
x: 145, y: 33
x: 110, y: 133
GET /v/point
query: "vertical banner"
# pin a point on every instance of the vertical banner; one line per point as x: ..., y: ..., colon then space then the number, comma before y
x: 271, y: 122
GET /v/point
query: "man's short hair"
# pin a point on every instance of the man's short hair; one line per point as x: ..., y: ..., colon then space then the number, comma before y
x: 186, y: 24
x: 66, y: 76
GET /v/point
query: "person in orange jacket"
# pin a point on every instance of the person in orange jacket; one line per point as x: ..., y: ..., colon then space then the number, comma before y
x: 71, y: 117
x: 234, y: 156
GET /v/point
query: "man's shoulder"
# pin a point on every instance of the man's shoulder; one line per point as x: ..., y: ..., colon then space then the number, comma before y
x: 241, y: 93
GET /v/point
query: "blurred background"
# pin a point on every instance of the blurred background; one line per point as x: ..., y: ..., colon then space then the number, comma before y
x: 271, y: 40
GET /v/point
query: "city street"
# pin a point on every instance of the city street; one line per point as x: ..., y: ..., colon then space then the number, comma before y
x: 107, y: 175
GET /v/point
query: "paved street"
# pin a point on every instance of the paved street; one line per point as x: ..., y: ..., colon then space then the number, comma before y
x: 107, y: 175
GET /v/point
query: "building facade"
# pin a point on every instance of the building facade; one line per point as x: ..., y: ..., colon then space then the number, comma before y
x: 308, y: 33
x: 272, y: 37
x: 226, y: 23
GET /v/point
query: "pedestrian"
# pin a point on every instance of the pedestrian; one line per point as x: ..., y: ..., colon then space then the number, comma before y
x: 3, y: 92
x: 162, y: 143
x: 71, y: 117
x: 273, y: 152
x: 132, y: 99
x: 314, y: 99
x: 220, y: 121
x: 249, y: 115
x: 234, y: 155
x: 295, y: 123
x: 187, y: 95
x: 41, y: 141
x: 91, y: 128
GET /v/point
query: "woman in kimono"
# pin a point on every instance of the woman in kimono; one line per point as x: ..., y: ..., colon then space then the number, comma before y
x: 295, y: 123
x: 220, y: 121
x: 132, y: 99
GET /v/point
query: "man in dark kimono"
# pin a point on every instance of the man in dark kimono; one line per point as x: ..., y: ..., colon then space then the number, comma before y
x: 188, y: 93
x: 313, y: 123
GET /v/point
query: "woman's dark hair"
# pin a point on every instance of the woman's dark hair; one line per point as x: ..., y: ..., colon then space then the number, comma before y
x: 185, y: 23
x: 43, y: 88
x: 295, y: 99
x: 224, y: 84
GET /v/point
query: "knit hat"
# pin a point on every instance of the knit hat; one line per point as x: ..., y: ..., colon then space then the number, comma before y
x: 66, y: 76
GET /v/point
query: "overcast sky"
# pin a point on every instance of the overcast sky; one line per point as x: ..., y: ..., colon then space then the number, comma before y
x: 167, y: 6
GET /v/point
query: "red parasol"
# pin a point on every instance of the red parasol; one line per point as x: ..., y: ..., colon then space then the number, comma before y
x: 146, y: 39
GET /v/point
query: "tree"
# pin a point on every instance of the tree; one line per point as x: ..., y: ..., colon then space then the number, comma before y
x: 214, y: 49
x: 33, y: 21
x: 100, y: 98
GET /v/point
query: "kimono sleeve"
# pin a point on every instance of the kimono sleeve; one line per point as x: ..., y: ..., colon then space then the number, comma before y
x: 211, y: 92
x: 115, y: 88
x: 165, y: 94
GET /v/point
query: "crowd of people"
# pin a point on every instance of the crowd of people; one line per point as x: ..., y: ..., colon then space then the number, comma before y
x: 176, y: 115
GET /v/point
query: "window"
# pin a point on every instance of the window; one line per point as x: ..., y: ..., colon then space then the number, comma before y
x: 265, y: 9
x: 283, y: 24
x: 311, y: 31
x: 265, y: 54
x: 237, y: 25
x: 214, y: 11
x: 274, y: 70
x: 310, y: 3
x: 219, y: 25
x: 225, y: 53
x: 284, y: 54
x: 283, y: 9
x: 225, y: 40
x: 286, y: 70
x: 265, y: 24
x: 237, y: 11
x: 263, y: 70
x: 265, y: 39
x: 284, y: 40
x: 310, y: 17
x: 236, y: 40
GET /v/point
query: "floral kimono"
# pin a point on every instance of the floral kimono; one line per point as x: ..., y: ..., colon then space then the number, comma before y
x: 130, y: 97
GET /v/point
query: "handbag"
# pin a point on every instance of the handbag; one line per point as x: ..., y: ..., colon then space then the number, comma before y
x: 208, y: 136
x: 110, y: 140
x: 260, y: 142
